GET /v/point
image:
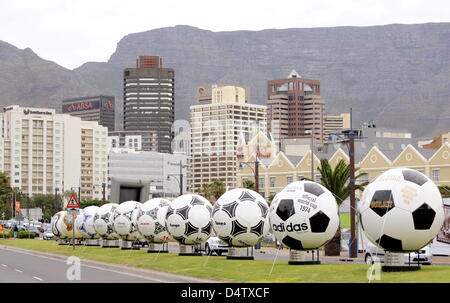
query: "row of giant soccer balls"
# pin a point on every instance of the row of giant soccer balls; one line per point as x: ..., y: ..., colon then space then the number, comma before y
x: 401, y: 210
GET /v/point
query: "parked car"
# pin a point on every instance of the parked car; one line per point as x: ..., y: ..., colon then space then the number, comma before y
x: 423, y: 256
x: 48, y: 235
x: 213, y: 245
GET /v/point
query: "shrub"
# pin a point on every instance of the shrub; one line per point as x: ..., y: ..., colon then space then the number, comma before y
x: 23, y: 234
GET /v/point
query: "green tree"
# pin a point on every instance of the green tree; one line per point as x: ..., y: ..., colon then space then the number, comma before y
x: 445, y: 191
x: 88, y: 202
x: 337, y: 181
x: 49, y: 203
x: 270, y: 199
x: 6, y: 197
x: 250, y: 184
x: 213, y: 191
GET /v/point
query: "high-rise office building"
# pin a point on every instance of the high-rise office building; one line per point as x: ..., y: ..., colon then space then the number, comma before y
x: 96, y: 108
x: 44, y: 152
x: 333, y: 123
x: 216, y: 128
x: 295, y: 108
x: 149, y: 99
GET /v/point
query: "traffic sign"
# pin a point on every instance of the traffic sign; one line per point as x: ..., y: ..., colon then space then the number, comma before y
x: 17, y: 206
x: 72, y: 203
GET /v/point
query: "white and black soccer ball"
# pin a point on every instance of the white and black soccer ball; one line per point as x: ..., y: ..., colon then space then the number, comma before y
x: 401, y: 210
x: 151, y: 220
x: 188, y: 219
x: 125, y: 220
x: 56, y: 224
x: 240, y: 217
x: 304, y: 215
x: 86, y: 226
x: 103, y: 221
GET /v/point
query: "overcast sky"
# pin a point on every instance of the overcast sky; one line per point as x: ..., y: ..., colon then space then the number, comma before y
x: 72, y: 32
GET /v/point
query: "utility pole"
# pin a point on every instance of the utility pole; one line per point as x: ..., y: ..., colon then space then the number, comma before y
x: 353, y: 251
x: 256, y: 175
x: 312, y: 156
x: 181, y: 178
x: 104, y: 191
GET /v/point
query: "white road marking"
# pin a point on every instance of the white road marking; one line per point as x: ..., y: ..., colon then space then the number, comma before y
x: 18, y: 270
x: 37, y: 278
x: 4, y: 265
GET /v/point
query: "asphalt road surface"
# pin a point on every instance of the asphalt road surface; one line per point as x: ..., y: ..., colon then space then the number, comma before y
x: 20, y: 266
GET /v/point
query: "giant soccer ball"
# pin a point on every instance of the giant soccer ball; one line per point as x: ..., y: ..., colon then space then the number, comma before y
x: 56, y: 224
x: 151, y: 220
x: 240, y: 217
x: 103, y: 221
x: 304, y: 215
x: 86, y: 226
x: 188, y: 219
x: 124, y: 220
x: 401, y: 210
x: 69, y: 226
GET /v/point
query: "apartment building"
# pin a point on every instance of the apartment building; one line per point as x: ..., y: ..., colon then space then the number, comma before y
x: 44, y: 152
x: 216, y: 128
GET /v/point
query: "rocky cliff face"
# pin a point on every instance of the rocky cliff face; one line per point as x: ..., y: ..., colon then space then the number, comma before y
x: 28, y: 80
x: 396, y: 75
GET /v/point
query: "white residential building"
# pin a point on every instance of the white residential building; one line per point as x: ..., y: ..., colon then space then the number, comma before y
x: 45, y: 152
x: 222, y: 115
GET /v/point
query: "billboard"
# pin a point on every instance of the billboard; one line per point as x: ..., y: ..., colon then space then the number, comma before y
x: 444, y: 233
x: 80, y: 106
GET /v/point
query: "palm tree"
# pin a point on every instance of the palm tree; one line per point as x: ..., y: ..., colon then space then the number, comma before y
x: 213, y: 191
x: 337, y: 181
x: 249, y: 184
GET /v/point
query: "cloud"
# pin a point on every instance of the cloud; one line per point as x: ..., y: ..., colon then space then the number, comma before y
x: 74, y: 32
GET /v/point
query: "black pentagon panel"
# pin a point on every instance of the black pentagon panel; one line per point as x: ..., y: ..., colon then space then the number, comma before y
x: 153, y: 213
x: 207, y: 229
x: 196, y: 201
x: 227, y: 240
x: 292, y: 243
x: 230, y: 209
x: 285, y: 209
x: 181, y: 239
x: 319, y: 222
x: 258, y: 229
x: 414, y: 176
x: 190, y: 229
x: 159, y: 228
x: 360, y: 221
x: 389, y: 243
x: 246, y: 196
x: 423, y: 217
x: 237, y: 228
x: 170, y: 211
x: 382, y: 202
x: 216, y: 208
x: 183, y: 212
x: 264, y: 209
x: 314, y: 189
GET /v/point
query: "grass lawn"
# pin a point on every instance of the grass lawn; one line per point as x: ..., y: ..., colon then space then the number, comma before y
x: 345, y: 220
x: 219, y: 268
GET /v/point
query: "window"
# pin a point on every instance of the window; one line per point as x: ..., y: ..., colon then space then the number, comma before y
x: 365, y: 178
x: 300, y: 178
x: 436, y: 174
x: 272, y: 181
x: 261, y: 182
x: 289, y: 179
x: 317, y: 178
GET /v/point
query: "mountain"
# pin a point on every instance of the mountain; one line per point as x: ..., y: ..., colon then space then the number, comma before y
x: 396, y: 75
x: 28, y: 80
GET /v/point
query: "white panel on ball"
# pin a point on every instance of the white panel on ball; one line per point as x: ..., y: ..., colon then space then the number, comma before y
x: 151, y: 220
x: 57, y: 223
x: 240, y: 217
x: 103, y: 221
x: 401, y: 210
x: 86, y: 226
x: 124, y: 220
x: 304, y: 215
x: 188, y: 219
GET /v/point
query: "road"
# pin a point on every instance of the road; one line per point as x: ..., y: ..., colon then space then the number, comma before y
x: 20, y: 266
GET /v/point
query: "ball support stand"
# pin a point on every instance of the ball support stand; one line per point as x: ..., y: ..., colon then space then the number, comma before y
x: 394, y: 262
x: 152, y: 248
x: 184, y: 251
x: 297, y: 257
x: 233, y: 253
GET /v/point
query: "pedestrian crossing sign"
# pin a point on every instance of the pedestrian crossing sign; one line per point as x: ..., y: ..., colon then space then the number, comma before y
x: 72, y: 202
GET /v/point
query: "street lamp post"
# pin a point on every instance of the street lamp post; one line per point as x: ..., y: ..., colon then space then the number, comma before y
x: 180, y: 175
x: 255, y: 171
